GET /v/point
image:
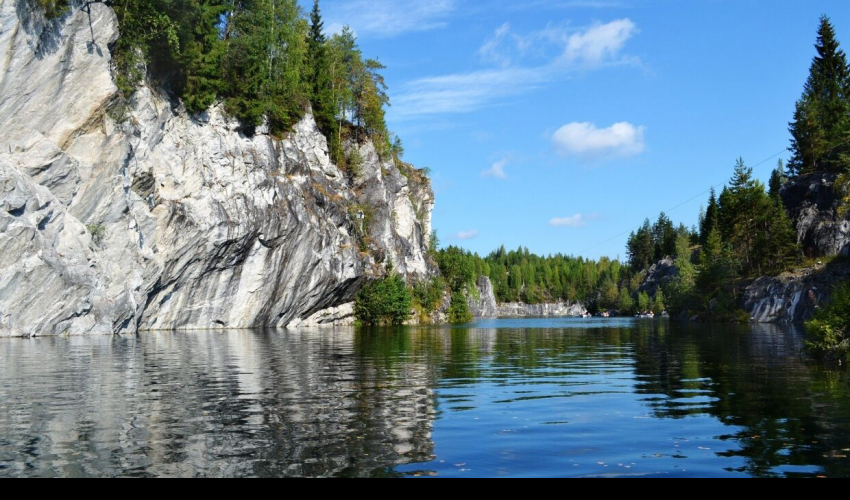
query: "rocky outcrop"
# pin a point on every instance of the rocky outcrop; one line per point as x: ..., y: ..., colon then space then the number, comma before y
x: 484, y: 304
x: 659, y: 275
x: 557, y: 310
x: 794, y: 296
x: 822, y: 228
x: 117, y: 217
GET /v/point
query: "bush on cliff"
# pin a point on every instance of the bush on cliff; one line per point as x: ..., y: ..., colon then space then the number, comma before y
x: 829, y: 330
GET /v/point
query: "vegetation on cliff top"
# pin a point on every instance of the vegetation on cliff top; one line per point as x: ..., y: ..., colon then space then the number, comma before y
x: 264, y: 59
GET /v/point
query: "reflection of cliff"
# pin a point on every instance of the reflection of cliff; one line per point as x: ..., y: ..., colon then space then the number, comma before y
x: 229, y: 404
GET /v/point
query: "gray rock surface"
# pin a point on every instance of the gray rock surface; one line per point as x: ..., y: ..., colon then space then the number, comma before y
x: 557, y: 310
x: 484, y: 305
x: 117, y: 219
x: 822, y: 229
x: 660, y: 274
x: 794, y: 296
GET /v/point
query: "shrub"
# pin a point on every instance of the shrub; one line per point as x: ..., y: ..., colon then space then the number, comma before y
x: 384, y: 302
x: 428, y: 294
x: 829, y: 330
x: 53, y: 8
x: 98, y: 233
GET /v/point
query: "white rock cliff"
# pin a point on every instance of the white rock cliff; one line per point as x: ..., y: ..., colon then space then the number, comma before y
x: 117, y: 220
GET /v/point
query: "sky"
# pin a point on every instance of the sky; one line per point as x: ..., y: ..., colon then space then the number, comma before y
x: 561, y: 125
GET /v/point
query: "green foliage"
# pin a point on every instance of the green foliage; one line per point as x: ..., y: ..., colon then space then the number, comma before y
x: 829, y: 330
x: 778, y: 179
x: 459, y: 311
x: 53, y: 8
x: 428, y: 294
x: 643, y: 302
x: 653, y: 242
x: 821, y: 127
x: 98, y: 233
x: 520, y: 276
x: 387, y: 301
x: 262, y: 58
x: 625, y: 304
x: 710, y: 222
x: 659, y: 304
x: 842, y: 189
x: 434, y: 244
x: 264, y: 63
x: 361, y: 226
x: 458, y: 268
x: 680, y: 292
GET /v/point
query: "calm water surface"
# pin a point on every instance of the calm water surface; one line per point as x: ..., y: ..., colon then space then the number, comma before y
x: 502, y: 398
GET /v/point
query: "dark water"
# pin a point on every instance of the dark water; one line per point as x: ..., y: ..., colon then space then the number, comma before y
x: 506, y: 398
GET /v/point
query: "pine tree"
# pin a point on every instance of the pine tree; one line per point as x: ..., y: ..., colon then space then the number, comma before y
x: 821, y: 126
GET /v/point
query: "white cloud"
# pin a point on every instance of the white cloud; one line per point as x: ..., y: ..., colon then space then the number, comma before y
x: 558, y: 50
x: 575, y: 221
x: 587, y: 142
x: 466, y: 235
x: 600, y: 43
x: 497, y: 171
x: 389, y: 18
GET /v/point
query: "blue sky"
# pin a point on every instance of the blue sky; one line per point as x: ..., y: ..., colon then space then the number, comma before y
x: 560, y: 124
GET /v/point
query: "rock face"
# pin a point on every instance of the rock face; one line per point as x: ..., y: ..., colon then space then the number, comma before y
x: 558, y: 310
x: 795, y: 296
x: 821, y: 227
x: 484, y: 306
x: 119, y: 218
x: 659, y: 275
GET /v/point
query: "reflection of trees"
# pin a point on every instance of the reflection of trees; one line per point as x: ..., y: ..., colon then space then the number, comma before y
x: 781, y: 412
x: 359, y: 404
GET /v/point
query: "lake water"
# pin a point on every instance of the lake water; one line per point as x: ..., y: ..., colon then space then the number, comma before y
x: 537, y: 397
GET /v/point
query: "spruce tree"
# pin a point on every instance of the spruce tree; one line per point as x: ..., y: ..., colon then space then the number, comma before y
x: 710, y: 221
x: 821, y: 126
x: 202, y: 54
x: 321, y: 92
x: 777, y: 181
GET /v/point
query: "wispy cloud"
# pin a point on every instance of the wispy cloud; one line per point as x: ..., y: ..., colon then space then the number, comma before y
x: 389, y: 18
x: 585, y: 141
x: 576, y: 221
x: 558, y: 51
x: 497, y: 170
x: 463, y: 92
x: 466, y: 235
